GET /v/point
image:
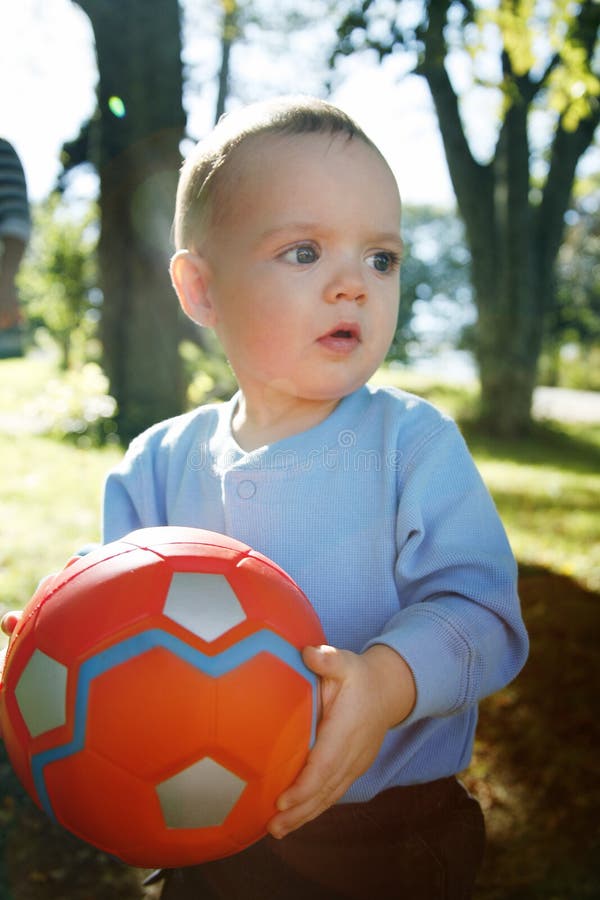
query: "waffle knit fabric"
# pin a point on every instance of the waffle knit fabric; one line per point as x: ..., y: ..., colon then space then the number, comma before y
x: 381, y: 517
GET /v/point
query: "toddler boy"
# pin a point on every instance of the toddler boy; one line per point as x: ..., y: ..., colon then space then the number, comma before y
x: 287, y: 231
x: 288, y: 244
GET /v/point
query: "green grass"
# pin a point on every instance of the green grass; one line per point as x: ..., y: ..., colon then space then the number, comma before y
x: 50, y: 499
x: 21, y: 381
x: 547, y: 490
x: 49, y: 491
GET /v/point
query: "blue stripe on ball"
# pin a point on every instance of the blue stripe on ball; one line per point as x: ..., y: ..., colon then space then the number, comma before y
x: 263, y: 641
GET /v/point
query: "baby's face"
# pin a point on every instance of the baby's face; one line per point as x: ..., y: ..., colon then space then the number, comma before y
x: 304, y: 265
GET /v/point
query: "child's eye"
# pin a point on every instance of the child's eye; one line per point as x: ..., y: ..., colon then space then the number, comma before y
x: 303, y: 254
x: 384, y: 261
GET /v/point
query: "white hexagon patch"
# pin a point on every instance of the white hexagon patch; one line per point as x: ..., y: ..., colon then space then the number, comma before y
x: 200, y: 796
x: 203, y: 603
x: 42, y: 693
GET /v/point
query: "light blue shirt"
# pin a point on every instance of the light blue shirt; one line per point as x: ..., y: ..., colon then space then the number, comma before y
x: 381, y: 517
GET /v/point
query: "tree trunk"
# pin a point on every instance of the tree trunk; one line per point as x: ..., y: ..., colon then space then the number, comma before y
x: 510, y: 307
x: 513, y: 243
x: 507, y: 380
x: 138, y: 48
x: 228, y: 35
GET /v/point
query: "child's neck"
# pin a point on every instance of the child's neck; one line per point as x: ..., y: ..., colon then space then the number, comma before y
x: 258, y: 425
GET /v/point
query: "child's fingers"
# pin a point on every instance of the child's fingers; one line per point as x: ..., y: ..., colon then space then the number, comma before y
x: 325, y: 661
x: 322, y: 778
x: 318, y: 787
x: 9, y: 621
x: 337, y: 757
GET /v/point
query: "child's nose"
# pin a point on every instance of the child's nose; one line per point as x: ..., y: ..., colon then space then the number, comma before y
x: 347, y: 283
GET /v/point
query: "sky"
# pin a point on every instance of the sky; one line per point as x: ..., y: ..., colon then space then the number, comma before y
x: 48, y: 72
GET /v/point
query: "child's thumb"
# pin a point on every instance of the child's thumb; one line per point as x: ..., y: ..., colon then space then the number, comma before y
x: 9, y: 622
x: 324, y: 660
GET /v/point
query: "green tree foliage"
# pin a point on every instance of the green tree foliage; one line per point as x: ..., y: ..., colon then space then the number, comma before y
x: 571, y: 352
x: 435, y: 283
x: 58, y: 278
x: 437, y: 310
x: 577, y: 316
x: 532, y: 59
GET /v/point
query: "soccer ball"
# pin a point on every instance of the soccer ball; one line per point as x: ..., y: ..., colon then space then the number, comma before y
x: 154, y: 700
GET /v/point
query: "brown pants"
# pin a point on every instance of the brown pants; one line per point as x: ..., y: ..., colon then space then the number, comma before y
x: 423, y: 842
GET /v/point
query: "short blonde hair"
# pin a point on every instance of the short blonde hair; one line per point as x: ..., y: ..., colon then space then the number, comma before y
x: 202, y: 174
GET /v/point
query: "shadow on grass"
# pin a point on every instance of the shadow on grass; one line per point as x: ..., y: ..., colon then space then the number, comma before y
x: 536, y: 771
x: 536, y: 768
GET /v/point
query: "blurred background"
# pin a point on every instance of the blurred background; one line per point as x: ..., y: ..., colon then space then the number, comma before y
x: 487, y: 111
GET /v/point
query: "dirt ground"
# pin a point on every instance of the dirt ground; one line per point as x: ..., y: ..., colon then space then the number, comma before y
x: 536, y: 772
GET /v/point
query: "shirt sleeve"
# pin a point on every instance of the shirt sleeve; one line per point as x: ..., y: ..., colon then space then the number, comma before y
x: 459, y: 627
x: 131, y: 496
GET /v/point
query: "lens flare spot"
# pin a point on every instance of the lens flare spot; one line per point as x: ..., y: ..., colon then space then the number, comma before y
x: 117, y: 107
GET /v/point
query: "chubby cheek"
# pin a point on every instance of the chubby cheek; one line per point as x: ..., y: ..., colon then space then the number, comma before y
x: 263, y: 344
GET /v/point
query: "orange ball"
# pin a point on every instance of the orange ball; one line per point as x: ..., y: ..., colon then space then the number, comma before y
x: 154, y: 700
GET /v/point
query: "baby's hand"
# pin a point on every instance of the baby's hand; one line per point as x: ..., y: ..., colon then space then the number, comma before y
x: 8, y: 625
x: 363, y: 696
x: 9, y: 621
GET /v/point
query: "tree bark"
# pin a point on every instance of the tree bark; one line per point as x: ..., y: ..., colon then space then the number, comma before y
x: 138, y: 49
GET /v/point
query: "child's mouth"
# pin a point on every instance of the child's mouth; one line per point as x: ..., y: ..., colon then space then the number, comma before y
x: 344, y: 338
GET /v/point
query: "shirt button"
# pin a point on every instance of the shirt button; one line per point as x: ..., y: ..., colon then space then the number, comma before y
x: 246, y: 490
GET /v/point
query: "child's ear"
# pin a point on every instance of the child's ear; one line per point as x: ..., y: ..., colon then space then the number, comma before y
x: 190, y: 276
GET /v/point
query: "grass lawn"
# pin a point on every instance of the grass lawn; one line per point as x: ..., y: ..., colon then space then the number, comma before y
x: 49, y: 491
x: 547, y: 490
x: 535, y: 770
